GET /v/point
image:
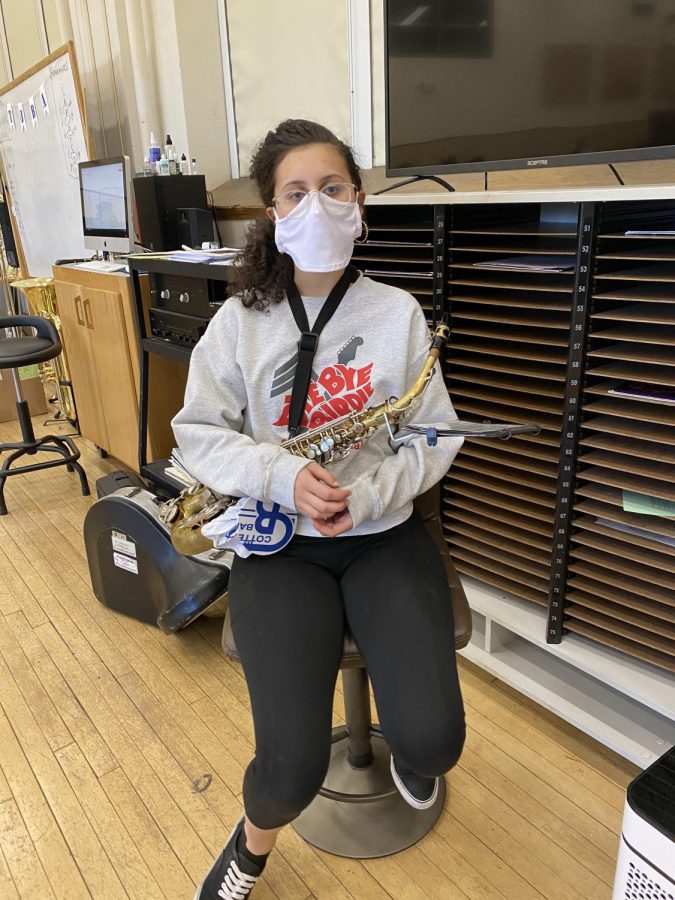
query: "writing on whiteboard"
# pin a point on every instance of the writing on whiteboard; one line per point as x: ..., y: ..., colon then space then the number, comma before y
x: 68, y: 129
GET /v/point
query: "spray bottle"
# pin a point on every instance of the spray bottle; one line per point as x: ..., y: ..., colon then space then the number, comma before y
x: 154, y: 151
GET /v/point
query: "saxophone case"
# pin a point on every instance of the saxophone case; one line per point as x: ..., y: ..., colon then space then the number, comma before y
x: 135, y: 570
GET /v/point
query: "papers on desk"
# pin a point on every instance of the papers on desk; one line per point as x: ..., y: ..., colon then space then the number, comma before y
x: 100, y: 265
x: 217, y: 256
x: 554, y: 262
x: 176, y: 470
x: 221, y: 256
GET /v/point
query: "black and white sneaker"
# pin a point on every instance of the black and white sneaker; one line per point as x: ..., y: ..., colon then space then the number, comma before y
x: 232, y: 876
x: 419, y: 791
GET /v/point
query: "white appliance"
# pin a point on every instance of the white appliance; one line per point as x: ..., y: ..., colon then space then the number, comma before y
x: 646, y: 865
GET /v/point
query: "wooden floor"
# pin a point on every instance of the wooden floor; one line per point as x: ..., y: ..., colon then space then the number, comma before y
x: 105, y: 723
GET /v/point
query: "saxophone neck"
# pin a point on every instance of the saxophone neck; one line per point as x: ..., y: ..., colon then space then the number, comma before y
x: 438, y: 339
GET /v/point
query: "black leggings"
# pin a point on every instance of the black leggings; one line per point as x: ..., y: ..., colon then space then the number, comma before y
x: 288, y: 617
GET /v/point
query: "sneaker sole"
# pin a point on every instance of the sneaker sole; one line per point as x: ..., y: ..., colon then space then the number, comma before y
x: 405, y: 793
x: 199, y: 889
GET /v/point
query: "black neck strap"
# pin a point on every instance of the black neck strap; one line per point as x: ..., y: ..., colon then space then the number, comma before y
x: 309, y: 340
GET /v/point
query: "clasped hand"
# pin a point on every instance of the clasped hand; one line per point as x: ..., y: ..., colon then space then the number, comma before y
x: 319, y: 496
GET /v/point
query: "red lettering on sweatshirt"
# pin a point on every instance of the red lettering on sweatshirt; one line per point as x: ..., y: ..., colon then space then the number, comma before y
x: 348, y: 390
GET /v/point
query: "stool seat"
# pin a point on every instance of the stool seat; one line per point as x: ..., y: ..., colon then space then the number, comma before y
x: 25, y: 351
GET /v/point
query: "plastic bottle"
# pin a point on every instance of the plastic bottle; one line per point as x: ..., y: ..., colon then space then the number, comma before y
x: 147, y: 166
x: 184, y: 165
x: 170, y: 152
x: 193, y: 169
x: 154, y: 151
x: 163, y: 165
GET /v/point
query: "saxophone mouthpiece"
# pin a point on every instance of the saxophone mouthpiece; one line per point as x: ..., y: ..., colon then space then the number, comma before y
x: 441, y: 333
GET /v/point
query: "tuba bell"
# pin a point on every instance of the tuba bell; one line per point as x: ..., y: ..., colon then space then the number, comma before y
x: 41, y: 296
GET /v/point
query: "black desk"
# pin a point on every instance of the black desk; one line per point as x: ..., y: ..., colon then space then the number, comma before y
x: 149, y: 264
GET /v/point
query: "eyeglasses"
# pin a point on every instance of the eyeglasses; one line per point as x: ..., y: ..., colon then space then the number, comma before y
x: 288, y: 202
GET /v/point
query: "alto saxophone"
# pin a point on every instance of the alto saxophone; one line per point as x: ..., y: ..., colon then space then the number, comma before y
x: 185, y: 514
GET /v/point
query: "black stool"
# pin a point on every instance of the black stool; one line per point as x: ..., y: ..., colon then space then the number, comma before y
x: 25, y: 351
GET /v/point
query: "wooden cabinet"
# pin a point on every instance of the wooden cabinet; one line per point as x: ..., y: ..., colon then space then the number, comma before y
x: 78, y: 339
x: 101, y: 337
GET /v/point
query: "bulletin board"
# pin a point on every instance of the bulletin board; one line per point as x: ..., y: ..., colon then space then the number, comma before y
x: 43, y: 137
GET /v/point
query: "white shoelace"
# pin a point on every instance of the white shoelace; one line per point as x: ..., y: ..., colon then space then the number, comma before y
x: 236, y: 884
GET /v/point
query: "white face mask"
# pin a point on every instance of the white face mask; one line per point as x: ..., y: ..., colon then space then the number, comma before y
x: 319, y: 234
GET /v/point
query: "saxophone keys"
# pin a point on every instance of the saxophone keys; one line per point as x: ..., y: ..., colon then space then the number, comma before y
x: 168, y: 513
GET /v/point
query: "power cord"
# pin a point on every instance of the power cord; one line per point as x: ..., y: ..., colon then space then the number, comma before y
x: 212, y: 207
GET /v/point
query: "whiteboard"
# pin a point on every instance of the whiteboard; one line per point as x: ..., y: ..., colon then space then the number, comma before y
x: 42, y: 139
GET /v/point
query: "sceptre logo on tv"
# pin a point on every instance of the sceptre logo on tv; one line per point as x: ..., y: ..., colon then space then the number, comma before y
x: 537, y: 162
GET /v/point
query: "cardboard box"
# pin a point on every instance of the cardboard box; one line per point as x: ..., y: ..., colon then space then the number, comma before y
x: 33, y: 392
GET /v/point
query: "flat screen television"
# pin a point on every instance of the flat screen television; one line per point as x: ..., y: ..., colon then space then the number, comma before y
x: 478, y: 85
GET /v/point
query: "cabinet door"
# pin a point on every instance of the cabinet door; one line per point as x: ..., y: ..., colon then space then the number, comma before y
x: 76, y: 337
x: 105, y: 322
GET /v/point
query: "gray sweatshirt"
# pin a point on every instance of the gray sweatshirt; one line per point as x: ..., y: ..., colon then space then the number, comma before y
x: 238, y: 394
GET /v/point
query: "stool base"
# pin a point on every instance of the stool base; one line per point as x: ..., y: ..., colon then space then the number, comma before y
x: 376, y: 821
x: 66, y: 449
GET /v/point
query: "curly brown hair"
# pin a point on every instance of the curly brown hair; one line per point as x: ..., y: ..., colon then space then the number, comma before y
x: 261, y: 272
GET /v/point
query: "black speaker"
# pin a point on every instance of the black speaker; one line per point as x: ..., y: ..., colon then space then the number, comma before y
x: 195, y: 226
x: 8, y: 236
x: 158, y: 198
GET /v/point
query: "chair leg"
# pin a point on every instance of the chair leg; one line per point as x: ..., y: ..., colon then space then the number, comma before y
x: 357, y: 716
x: 4, y: 473
x: 71, y: 454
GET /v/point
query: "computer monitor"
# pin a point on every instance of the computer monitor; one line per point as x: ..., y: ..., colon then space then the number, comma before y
x: 105, y: 196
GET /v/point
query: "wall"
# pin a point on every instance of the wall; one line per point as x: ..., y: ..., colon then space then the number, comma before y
x: 289, y: 59
x: 377, y: 79
x: 144, y: 64
x: 157, y: 64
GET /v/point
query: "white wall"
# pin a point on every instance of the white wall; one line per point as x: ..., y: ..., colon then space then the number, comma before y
x: 377, y: 79
x: 290, y: 59
x: 203, y: 89
x: 143, y: 64
x: 157, y: 64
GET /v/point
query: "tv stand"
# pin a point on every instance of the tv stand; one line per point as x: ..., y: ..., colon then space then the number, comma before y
x: 618, y: 177
x: 412, y: 180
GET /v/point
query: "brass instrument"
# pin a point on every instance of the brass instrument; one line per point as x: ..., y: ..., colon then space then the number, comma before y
x: 195, y: 506
x: 41, y: 296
